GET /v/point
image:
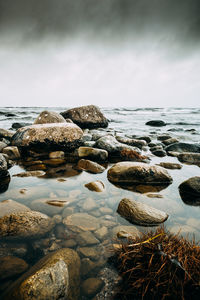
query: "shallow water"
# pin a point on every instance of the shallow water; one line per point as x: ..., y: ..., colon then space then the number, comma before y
x: 125, y: 120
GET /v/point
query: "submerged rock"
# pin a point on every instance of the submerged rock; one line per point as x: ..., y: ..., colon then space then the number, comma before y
x: 18, y: 125
x: 12, y: 152
x: 156, y: 123
x: 141, y: 214
x: 190, y: 191
x: 79, y: 222
x: 183, y: 147
x: 49, y: 117
x: 90, y: 166
x: 91, y: 286
x: 11, y: 266
x: 36, y: 173
x: 28, y: 224
x: 48, y: 137
x: 55, y: 276
x: 96, y: 186
x: 124, y: 231
x: 88, y: 116
x: 138, y: 173
x: 10, y: 206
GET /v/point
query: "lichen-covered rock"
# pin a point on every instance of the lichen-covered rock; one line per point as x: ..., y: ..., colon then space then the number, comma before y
x: 28, y: 224
x: 190, y: 190
x: 141, y: 214
x: 55, y: 276
x: 90, y: 166
x: 93, y: 153
x: 138, y: 173
x: 49, y: 117
x: 88, y: 116
x: 48, y: 137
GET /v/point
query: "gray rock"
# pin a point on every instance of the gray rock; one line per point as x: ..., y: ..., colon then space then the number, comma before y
x: 101, y: 233
x: 86, y: 238
x: 163, y: 137
x: 183, y: 147
x: 17, y: 125
x: 86, y: 116
x: 190, y: 191
x: 50, y: 206
x: 3, y: 166
x: 156, y: 123
x: 93, y: 153
x: 141, y: 214
x: 138, y: 173
x: 91, y: 286
x: 159, y: 152
x: 49, y: 117
x: 55, y: 276
x: 127, y: 231
x: 90, y: 166
x: 11, y: 266
x: 131, y: 142
x: 48, y: 137
x: 190, y: 158
x: 8, y: 207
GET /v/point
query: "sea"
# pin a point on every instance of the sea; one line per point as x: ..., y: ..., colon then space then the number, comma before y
x: 181, y: 123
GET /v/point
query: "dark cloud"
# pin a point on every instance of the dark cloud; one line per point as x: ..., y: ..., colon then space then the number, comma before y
x: 116, y: 19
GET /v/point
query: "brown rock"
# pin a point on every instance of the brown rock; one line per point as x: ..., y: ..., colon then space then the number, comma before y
x: 8, y: 207
x: 49, y: 117
x: 96, y: 186
x: 81, y: 222
x: 90, y: 166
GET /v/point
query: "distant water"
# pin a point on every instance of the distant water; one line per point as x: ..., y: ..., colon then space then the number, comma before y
x: 182, y: 122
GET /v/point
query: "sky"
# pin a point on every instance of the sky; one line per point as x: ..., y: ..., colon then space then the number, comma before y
x: 135, y: 53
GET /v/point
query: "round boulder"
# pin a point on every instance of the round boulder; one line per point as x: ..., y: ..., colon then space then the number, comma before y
x: 190, y: 191
x: 49, y: 117
x: 156, y: 123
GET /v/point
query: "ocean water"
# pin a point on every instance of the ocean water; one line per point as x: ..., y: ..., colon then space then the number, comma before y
x: 182, y: 123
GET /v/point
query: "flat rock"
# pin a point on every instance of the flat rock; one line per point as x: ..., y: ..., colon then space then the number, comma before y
x: 170, y: 141
x: 190, y: 190
x: 96, y: 186
x: 89, y: 204
x: 57, y: 154
x: 49, y: 117
x: 90, y: 166
x: 101, y: 233
x: 190, y: 158
x: 50, y: 206
x: 28, y: 224
x: 88, y: 116
x: 90, y: 252
x: 141, y: 214
x: 183, y: 147
x: 79, y: 222
x: 127, y: 231
x: 93, y: 153
x: 171, y: 166
x: 55, y: 276
x: 10, y: 206
x: 86, y: 238
x: 138, y: 173
x: 91, y: 286
x: 48, y: 137
x: 131, y: 142
x: 11, y: 266
x: 156, y: 123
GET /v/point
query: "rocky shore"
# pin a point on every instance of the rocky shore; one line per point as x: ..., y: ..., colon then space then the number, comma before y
x: 55, y: 240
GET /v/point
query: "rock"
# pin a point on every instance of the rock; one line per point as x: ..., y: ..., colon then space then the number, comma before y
x: 2, y: 146
x: 89, y: 144
x: 125, y: 231
x: 171, y: 166
x: 3, y: 166
x: 141, y: 214
x: 87, y: 266
x: 19, y: 125
x: 90, y: 252
x: 159, y: 153
x: 101, y: 233
x: 112, y: 146
x: 88, y: 116
x: 96, y: 186
x: 91, y: 286
x: 144, y: 138
x: 13, y: 249
x: 170, y: 141
x: 55, y: 276
x: 49, y: 117
x: 57, y: 154
x: 90, y: 166
x: 163, y: 137
x: 106, y: 210
x: 190, y: 158
x: 93, y: 153
x: 11, y: 266
x: 8, y: 207
x: 97, y: 134
x: 156, y: 123
x: 79, y: 222
x: 86, y: 137
x: 190, y: 191
x: 54, y: 162
x: 86, y: 238
x: 12, y: 152
x: 138, y: 173
x: 89, y: 204
x: 30, y: 174
x: 183, y: 147
x: 131, y: 142
x: 50, y: 206
x: 29, y: 224
x: 47, y: 137
x: 7, y: 134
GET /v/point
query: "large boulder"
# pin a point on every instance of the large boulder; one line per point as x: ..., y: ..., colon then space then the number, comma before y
x: 88, y: 116
x: 183, y: 147
x: 138, y: 173
x: 55, y: 276
x: 190, y: 190
x: 25, y: 224
x: 48, y: 137
x: 141, y: 214
x: 49, y: 117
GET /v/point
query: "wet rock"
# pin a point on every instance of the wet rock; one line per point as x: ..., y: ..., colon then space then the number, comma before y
x: 17, y: 125
x: 89, y: 144
x: 138, y: 173
x: 71, y: 243
x: 152, y: 195
x: 54, y: 162
x: 156, y: 123
x: 55, y: 276
x: 90, y: 252
x: 79, y: 222
x: 90, y: 166
x: 171, y: 166
x: 47, y: 137
x: 96, y: 186
x: 141, y: 214
x: 3, y: 166
x: 163, y: 137
x: 93, y: 153
x: 89, y: 204
x: 11, y: 266
x: 190, y: 191
x: 87, y: 266
x: 30, y: 174
x: 49, y: 117
x: 97, y: 134
x: 86, y: 137
x: 145, y: 138
x: 112, y: 146
x: 159, y: 153
x: 50, y: 206
x: 131, y: 142
x: 91, y: 286
x: 170, y: 141
x: 183, y: 147
x: 101, y: 233
x: 190, y: 158
x: 29, y: 224
x: 2, y: 146
x: 7, y: 134
x: 88, y: 116
x: 10, y: 206
x: 125, y: 231
x: 12, y: 152
x: 57, y: 154
x: 13, y: 249
x: 105, y: 211
x: 86, y: 238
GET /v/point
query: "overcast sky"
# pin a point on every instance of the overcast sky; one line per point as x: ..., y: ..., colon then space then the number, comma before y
x: 105, y: 52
